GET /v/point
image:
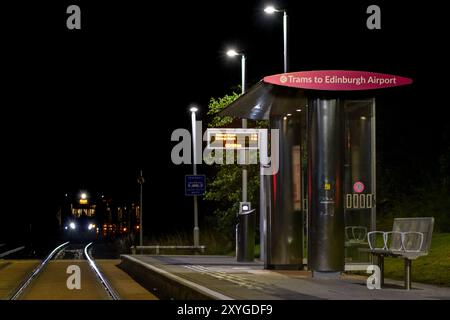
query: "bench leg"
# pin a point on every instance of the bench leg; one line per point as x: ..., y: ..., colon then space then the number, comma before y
x: 381, y: 265
x: 408, y: 264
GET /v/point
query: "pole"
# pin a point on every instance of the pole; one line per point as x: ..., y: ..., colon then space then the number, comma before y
x: 141, y: 231
x: 244, y: 125
x: 194, y: 165
x: 285, y: 41
x: 243, y: 73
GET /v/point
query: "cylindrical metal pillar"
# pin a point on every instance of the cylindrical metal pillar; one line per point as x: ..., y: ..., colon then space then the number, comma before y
x: 264, y: 209
x: 285, y: 217
x: 325, y: 181
x: 245, y: 236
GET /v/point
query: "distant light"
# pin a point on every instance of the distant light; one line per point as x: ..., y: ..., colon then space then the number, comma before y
x: 65, y: 228
x: 91, y: 226
x: 232, y: 53
x: 83, y: 196
x: 363, y: 118
x: 270, y: 9
x: 193, y: 109
x: 299, y: 110
x: 72, y: 225
x: 66, y: 194
x: 285, y: 118
x: 289, y: 114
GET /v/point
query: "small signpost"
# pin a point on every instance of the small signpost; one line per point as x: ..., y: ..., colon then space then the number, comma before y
x: 194, y: 185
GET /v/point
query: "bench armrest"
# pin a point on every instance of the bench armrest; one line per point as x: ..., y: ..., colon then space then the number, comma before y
x: 386, y: 240
x: 402, y: 235
x: 420, y: 234
x: 357, y: 233
x: 372, y: 245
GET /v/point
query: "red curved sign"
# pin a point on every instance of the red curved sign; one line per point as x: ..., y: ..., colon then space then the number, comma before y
x: 336, y: 80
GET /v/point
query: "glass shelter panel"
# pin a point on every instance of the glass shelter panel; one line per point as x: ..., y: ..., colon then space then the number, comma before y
x: 359, y: 181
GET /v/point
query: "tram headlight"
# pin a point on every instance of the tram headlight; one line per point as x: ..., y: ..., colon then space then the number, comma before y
x: 72, y: 225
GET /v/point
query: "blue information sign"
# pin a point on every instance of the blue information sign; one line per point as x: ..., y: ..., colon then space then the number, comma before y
x: 195, y: 185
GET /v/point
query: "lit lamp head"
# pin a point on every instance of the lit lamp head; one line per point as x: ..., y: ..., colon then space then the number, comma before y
x: 270, y: 10
x: 83, y: 196
x: 232, y: 53
x: 244, y: 206
x: 193, y: 109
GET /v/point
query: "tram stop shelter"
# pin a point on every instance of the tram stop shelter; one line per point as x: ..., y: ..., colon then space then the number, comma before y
x: 319, y: 206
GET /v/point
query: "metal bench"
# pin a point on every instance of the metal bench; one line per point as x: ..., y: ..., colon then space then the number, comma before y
x: 409, y: 239
x: 355, y: 234
x: 355, y: 240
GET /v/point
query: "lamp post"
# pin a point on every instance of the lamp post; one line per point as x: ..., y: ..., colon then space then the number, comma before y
x: 141, y: 231
x: 272, y: 10
x: 264, y: 180
x: 245, y: 229
x: 233, y: 53
x: 193, y: 111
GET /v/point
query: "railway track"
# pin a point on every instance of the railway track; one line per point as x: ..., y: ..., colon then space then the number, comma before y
x: 48, y: 279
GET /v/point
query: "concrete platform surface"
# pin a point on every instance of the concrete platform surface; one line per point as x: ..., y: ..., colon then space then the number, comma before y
x: 12, y: 273
x: 221, y: 277
x: 123, y: 284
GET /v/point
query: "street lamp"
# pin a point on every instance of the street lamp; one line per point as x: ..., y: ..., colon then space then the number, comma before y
x: 272, y: 10
x: 244, y: 236
x: 233, y: 53
x: 141, y: 181
x: 193, y: 111
x: 263, y: 179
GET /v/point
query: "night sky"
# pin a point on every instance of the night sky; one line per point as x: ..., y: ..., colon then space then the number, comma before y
x: 86, y: 109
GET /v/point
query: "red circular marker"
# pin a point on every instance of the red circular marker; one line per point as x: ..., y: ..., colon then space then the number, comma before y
x: 358, y: 187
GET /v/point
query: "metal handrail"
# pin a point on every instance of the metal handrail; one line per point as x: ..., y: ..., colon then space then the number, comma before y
x: 157, y: 247
x: 4, y: 254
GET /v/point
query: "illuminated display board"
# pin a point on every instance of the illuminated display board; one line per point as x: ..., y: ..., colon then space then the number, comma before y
x: 236, y: 139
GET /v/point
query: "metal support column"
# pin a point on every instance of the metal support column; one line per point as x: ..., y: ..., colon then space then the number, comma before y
x: 325, y: 194
x: 408, y: 265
